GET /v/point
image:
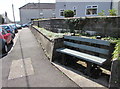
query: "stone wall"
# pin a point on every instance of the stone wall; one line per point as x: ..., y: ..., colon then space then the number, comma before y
x: 49, y: 45
x: 104, y: 26
x: 114, y: 82
x: 54, y: 25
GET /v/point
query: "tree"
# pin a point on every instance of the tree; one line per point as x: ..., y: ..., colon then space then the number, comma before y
x: 68, y: 13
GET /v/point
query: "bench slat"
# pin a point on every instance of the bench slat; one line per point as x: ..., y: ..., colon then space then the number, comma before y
x: 87, y: 57
x: 95, y: 41
x: 88, y: 48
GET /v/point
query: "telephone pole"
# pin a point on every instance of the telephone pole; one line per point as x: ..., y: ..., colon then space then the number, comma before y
x: 13, y: 13
x: 39, y: 9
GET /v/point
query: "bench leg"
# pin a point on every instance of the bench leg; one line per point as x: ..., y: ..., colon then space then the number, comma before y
x: 93, y: 70
x: 88, y: 69
x: 64, y: 62
x: 96, y: 71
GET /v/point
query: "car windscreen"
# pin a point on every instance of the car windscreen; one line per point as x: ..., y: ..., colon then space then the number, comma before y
x: 6, y: 27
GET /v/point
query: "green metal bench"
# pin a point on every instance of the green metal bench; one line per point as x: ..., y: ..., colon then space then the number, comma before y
x: 92, y: 51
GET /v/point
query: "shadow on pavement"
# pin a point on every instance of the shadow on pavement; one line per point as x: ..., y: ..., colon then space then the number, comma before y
x: 78, y: 69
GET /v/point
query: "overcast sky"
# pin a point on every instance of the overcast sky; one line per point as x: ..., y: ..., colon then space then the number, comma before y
x: 6, y: 5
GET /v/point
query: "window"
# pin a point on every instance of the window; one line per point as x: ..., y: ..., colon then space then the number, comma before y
x: 53, y: 15
x: 41, y: 14
x: 61, y: 12
x: 75, y: 11
x: 91, y: 10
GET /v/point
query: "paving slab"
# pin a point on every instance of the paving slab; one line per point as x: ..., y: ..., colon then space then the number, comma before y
x: 18, y: 69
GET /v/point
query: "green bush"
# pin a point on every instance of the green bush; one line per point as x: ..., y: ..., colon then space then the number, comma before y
x: 112, y: 12
x: 116, y: 53
x: 102, y: 13
x: 68, y: 13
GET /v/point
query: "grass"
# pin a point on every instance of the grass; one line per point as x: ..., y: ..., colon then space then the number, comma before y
x: 53, y: 35
x: 49, y: 34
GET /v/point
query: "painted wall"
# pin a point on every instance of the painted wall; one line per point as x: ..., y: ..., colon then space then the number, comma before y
x: 27, y: 14
x: 81, y: 7
x: 119, y: 8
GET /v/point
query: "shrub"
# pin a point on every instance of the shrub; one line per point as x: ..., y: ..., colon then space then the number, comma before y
x: 68, y: 13
x: 102, y: 13
x: 116, y: 53
x: 112, y: 12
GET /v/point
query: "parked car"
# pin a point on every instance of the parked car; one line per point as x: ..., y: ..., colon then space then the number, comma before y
x: 14, y: 27
x: 7, y: 36
x: 25, y: 25
x: 8, y: 29
x: 18, y: 26
x: 3, y: 45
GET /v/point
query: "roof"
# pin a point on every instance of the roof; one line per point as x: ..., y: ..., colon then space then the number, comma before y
x: 38, y: 6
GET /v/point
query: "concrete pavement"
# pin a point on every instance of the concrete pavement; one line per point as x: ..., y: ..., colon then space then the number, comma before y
x: 27, y: 66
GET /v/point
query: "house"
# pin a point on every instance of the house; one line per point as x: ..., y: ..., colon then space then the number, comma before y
x: 4, y: 18
x: 36, y: 10
x: 84, y: 8
x: 116, y: 5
